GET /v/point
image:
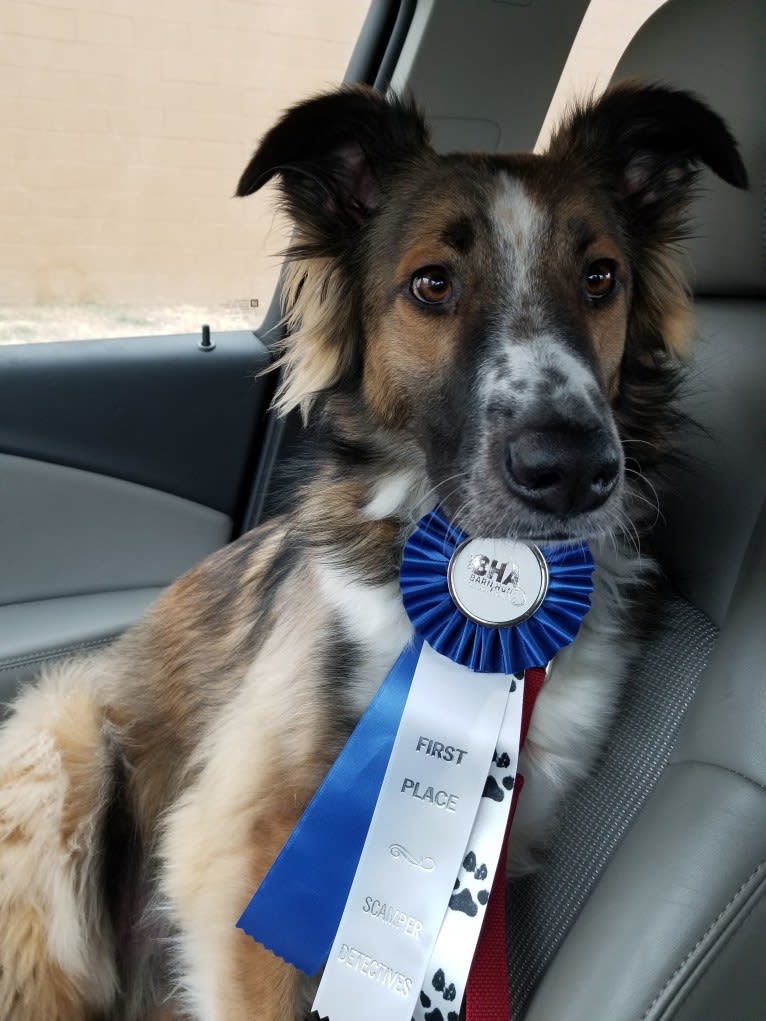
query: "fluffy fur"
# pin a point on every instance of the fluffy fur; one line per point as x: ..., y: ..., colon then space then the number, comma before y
x: 498, y: 333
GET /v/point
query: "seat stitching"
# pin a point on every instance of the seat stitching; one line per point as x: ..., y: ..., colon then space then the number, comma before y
x: 40, y: 657
x: 719, y: 766
x: 702, y: 939
x: 725, y: 940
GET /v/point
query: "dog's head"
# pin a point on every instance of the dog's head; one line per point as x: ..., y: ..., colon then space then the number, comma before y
x: 508, y: 320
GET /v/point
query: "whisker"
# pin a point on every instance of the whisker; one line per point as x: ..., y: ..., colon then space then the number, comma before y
x: 654, y: 503
x: 646, y: 443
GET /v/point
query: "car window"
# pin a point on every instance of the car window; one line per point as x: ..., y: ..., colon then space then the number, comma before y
x: 125, y: 127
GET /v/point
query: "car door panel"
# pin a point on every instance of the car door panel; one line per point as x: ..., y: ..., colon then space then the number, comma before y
x: 41, y: 632
x: 154, y: 410
x: 80, y: 532
x: 122, y: 464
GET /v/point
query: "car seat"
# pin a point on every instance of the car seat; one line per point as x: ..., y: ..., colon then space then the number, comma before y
x: 651, y: 902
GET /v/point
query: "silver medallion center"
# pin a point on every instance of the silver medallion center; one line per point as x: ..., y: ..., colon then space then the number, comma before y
x: 497, y: 582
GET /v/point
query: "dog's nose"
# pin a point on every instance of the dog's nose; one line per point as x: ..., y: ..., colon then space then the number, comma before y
x: 563, y: 472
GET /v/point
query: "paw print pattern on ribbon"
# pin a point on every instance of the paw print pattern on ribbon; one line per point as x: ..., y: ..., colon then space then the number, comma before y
x: 444, y: 990
x: 500, y: 779
x: 463, y: 899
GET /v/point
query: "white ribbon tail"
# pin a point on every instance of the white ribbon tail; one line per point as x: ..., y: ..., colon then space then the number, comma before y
x: 424, y: 820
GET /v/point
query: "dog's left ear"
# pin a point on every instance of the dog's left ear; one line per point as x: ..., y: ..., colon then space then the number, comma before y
x: 649, y: 141
x: 333, y: 154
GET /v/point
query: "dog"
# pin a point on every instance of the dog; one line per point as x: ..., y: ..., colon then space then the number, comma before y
x: 498, y: 334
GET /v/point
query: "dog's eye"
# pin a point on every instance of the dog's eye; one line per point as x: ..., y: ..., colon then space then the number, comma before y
x: 431, y: 285
x: 600, y: 278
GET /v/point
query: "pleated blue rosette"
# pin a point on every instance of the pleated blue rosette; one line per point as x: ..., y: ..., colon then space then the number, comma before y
x: 296, y: 910
x: 436, y: 618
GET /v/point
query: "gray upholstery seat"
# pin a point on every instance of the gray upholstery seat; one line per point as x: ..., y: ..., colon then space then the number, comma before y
x: 652, y: 903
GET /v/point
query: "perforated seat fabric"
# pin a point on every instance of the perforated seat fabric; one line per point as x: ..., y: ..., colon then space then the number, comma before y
x: 651, y: 901
x: 542, y: 907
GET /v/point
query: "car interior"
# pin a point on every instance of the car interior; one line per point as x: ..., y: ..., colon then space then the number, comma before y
x: 123, y: 463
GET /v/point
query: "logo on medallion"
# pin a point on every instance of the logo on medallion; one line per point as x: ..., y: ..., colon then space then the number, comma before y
x: 498, y: 578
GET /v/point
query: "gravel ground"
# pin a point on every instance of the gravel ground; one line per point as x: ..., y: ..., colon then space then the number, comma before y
x: 29, y: 324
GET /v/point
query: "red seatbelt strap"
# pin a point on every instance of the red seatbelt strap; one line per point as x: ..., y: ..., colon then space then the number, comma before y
x: 487, y: 997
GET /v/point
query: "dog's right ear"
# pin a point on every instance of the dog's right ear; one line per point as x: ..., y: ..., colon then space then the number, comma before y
x: 332, y: 154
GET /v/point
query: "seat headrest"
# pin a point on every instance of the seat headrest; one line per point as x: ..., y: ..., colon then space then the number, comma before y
x: 718, y: 51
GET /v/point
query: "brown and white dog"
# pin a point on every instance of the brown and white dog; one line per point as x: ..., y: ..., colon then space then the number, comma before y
x: 497, y: 333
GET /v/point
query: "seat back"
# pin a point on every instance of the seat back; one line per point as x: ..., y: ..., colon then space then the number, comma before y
x: 651, y: 905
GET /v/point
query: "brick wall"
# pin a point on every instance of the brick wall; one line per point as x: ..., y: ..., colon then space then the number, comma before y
x: 124, y: 125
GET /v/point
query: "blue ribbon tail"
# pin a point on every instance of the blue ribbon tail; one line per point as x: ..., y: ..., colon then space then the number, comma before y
x: 297, y: 909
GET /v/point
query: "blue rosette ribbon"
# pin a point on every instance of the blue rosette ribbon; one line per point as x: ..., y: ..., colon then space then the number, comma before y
x: 296, y: 910
x: 493, y: 650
